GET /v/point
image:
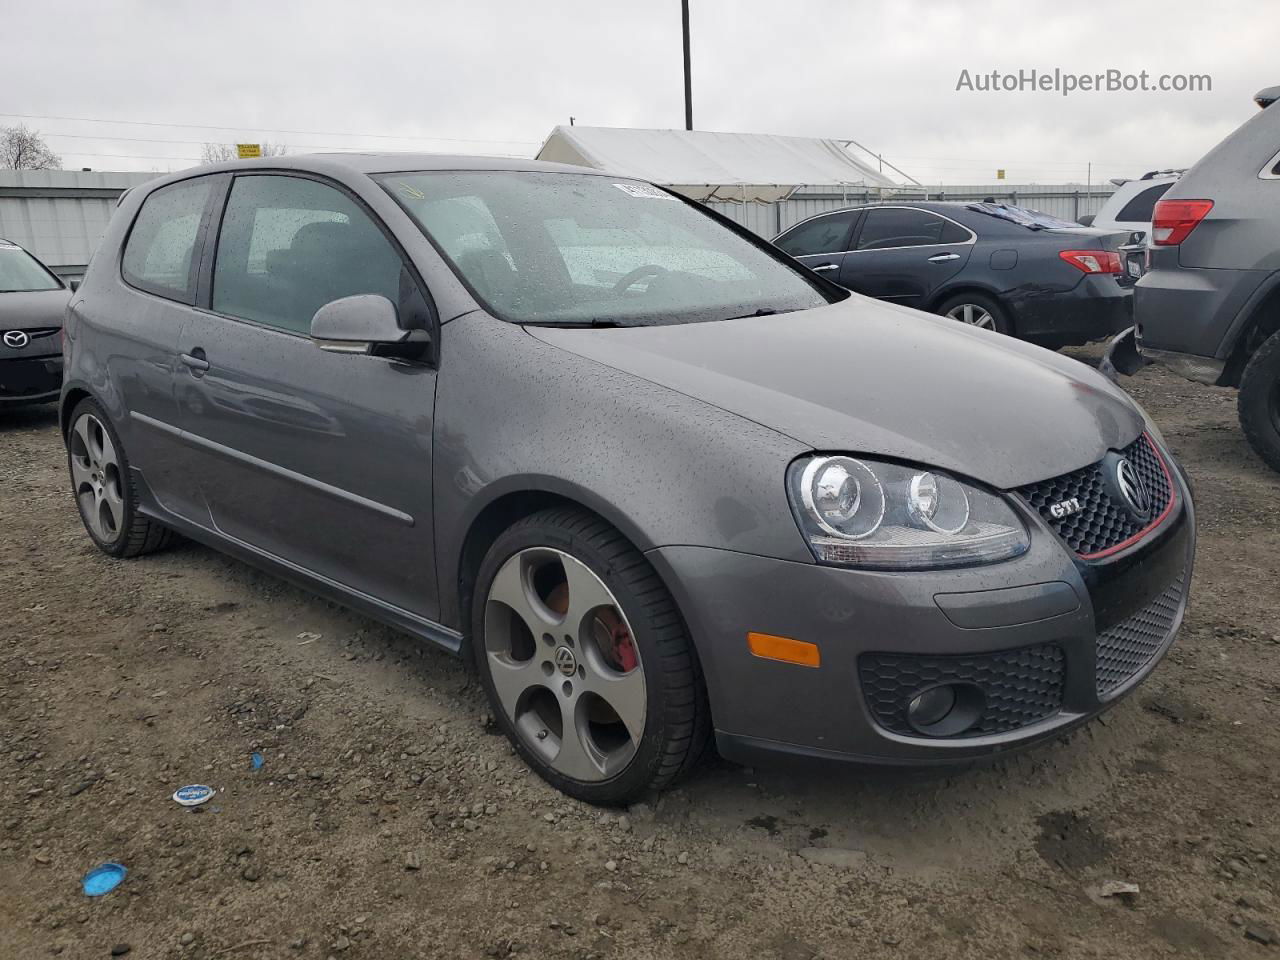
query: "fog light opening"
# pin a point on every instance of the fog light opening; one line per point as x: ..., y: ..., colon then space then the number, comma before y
x: 947, y: 710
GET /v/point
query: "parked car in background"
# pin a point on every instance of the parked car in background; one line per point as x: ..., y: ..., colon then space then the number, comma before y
x: 1129, y: 209
x: 988, y: 264
x: 1209, y: 304
x: 652, y: 475
x: 32, y: 302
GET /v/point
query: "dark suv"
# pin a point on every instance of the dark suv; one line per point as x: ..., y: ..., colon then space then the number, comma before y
x: 1209, y: 304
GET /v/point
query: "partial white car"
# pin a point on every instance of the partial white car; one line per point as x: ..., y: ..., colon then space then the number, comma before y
x: 1129, y: 209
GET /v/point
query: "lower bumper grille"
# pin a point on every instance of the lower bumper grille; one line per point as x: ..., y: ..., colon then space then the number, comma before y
x: 1020, y: 687
x: 1127, y: 647
x: 29, y: 377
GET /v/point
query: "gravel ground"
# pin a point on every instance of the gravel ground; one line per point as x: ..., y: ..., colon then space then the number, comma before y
x: 387, y: 820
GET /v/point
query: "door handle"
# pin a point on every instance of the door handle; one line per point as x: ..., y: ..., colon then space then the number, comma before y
x: 195, y: 362
x: 825, y: 268
x: 944, y: 257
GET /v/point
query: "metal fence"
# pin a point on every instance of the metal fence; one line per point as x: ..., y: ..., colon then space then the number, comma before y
x: 60, y: 215
x: 1069, y: 201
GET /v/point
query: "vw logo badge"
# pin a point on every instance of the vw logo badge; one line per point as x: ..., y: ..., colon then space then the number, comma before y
x: 1133, y: 489
x: 566, y: 662
x: 16, y: 339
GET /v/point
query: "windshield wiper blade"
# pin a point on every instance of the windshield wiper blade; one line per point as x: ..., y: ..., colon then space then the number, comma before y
x: 592, y: 324
x: 762, y: 312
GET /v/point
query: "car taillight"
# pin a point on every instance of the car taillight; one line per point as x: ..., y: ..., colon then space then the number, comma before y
x: 1093, y: 261
x: 1173, y: 220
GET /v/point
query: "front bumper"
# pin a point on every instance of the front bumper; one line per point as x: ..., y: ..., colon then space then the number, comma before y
x: 26, y: 380
x: 1027, y: 625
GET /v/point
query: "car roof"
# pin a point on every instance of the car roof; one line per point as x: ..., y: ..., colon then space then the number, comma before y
x: 346, y: 163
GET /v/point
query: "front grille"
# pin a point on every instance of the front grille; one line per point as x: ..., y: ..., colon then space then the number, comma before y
x: 1102, y: 522
x: 1020, y: 686
x: 1127, y: 647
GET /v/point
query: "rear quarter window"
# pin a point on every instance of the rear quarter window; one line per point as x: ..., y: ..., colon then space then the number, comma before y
x: 159, y: 256
x: 1143, y: 204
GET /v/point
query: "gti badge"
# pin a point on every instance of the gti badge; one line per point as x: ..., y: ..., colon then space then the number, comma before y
x: 1133, y: 489
x: 16, y: 339
x: 1065, y: 508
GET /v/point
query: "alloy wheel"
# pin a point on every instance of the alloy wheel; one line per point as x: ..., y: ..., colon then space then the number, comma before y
x: 564, y: 664
x: 95, y: 473
x: 972, y: 314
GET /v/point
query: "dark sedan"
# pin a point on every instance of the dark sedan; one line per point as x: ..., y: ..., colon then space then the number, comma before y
x: 32, y: 302
x: 992, y: 265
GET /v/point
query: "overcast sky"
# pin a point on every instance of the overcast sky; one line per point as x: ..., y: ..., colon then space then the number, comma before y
x: 494, y: 76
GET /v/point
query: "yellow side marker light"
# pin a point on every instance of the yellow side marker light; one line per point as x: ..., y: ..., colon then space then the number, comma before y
x: 769, y: 647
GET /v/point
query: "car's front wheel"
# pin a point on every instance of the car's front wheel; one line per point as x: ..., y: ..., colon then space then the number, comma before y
x: 1259, y: 403
x: 104, y: 489
x: 586, y: 659
x: 977, y: 310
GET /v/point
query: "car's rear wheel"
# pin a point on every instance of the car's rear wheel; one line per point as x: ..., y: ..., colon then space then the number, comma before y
x: 104, y: 489
x: 1259, y: 403
x: 977, y: 310
x: 586, y: 660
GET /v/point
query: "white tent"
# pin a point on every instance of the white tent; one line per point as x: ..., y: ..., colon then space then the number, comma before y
x: 713, y: 166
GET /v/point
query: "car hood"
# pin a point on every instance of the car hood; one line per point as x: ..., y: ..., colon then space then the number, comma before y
x: 33, y: 310
x: 862, y: 376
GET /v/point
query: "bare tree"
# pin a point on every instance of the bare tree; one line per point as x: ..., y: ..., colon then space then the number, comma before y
x: 221, y: 152
x: 23, y: 149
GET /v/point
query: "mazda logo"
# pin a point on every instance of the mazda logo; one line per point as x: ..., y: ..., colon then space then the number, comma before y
x: 1133, y: 489
x: 16, y: 339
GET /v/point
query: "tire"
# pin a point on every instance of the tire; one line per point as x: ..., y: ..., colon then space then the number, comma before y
x: 1259, y: 401
x: 103, y: 487
x: 977, y: 303
x: 569, y: 563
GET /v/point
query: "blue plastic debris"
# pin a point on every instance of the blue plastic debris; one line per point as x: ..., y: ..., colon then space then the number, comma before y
x: 258, y: 761
x: 103, y: 879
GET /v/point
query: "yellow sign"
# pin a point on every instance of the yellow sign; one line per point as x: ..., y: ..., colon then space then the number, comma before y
x: 248, y: 151
x: 999, y: 173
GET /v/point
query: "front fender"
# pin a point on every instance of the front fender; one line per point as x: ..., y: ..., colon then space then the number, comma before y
x: 515, y: 414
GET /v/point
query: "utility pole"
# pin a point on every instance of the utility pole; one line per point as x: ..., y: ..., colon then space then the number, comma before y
x: 688, y: 80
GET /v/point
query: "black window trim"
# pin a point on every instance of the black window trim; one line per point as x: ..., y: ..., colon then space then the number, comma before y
x: 213, y: 236
x: 193, y: 272
x: 855, y: 223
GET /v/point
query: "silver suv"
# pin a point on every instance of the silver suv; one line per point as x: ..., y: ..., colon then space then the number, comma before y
x: 1208, y: 306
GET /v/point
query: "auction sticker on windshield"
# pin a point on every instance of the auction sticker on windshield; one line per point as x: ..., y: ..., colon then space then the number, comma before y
x: 644, y: 191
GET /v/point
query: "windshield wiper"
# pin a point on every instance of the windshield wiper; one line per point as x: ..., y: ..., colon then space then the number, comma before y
x: 762, y: 312
x: 593, y: 324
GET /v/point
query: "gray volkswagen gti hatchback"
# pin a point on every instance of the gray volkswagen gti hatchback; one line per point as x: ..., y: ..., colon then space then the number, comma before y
x: 658, y: 479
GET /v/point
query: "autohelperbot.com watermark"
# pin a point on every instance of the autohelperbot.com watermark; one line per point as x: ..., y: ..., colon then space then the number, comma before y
x: 1065, y: 83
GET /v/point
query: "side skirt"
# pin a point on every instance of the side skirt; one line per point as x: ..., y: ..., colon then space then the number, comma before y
x: 392, y: 616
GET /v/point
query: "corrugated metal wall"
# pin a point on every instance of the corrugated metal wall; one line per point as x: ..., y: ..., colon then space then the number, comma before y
x: 1068, y: 201
x: 60, y: 215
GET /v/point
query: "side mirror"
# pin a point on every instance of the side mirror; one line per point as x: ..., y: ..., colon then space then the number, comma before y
x: 360, y: 324
x: 1086, y: 220
x: 74, y: 284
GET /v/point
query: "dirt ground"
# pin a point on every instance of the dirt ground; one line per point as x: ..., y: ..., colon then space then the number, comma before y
x: 387, y: 820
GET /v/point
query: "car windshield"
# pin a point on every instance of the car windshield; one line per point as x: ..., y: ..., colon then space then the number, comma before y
x: 20, y: 272
x: 1031, y: 219
x: 579, y: 249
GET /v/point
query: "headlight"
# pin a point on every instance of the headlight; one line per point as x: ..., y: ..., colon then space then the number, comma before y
x: 861, y: 513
